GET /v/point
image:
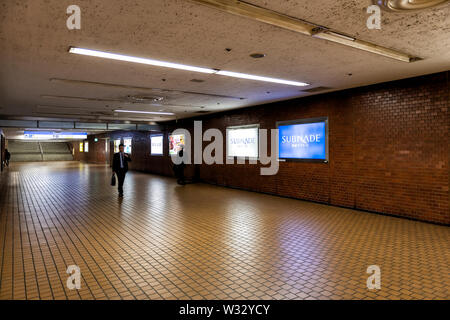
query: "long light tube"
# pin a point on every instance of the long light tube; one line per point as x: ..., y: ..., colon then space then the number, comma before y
x: 259, y: 78
x: 363, y: 45
x: 146, y: 112
x: 114, y: 56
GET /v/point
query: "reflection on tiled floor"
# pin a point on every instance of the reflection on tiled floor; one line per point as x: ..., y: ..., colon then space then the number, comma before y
x: 164, y: 241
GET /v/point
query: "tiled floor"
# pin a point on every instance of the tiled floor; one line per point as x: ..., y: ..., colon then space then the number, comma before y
x: 164, y: 241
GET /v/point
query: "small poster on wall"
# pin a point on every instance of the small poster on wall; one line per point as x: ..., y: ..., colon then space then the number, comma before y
x: 243, y: 141
x: 116, y: 145
x: 156, y: 145
x: 175, y: 143
x: 127, y: 145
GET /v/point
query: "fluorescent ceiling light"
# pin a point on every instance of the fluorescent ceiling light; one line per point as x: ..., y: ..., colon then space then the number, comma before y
x: 363, y: 45
x: 113, y: 56
x: 340, y: 35
x: 259, y: 78
x: 146, y: 112
x: 254, y: 12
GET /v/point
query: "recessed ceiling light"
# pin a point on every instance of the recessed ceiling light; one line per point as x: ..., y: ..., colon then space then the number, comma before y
x: 113, y: 56
x: 257, y: 55
x: 146, y: 112
x: 406, y: 6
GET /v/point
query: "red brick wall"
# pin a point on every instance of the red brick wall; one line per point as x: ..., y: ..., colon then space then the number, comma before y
x: 77, y: 155
x: 140, y: 152
x: 97, y: 150
x: 388, y: 149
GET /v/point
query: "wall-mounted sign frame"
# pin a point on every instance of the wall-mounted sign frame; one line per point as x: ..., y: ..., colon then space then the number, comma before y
x: 127, y: 142
x: 156, y: 145
x: 116, y: 145
x: 304, y: 140
x: 175, y: 143
x: 243, y: 141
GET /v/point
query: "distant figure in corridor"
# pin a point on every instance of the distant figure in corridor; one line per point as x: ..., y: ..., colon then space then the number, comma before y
x: 120, y: 167
x: 7, y: 157
x: 178, y: 169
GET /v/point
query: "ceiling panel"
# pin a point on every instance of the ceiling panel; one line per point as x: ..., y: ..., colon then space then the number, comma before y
x: 34, y: 41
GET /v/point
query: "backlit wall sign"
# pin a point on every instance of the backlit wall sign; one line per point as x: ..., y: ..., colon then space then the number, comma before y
x: 156, y: 145
x: 127, y: 145
x: 175, y: 143
x: 305, y: 139
x: 71, y: 135
x: 81, y: 146
x: 243, y: 141
x: 116, y: 145
x: 86, y: 147
x: 50, y: 135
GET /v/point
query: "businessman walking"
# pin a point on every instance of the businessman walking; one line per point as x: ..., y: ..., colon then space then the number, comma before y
x: 120, y: 167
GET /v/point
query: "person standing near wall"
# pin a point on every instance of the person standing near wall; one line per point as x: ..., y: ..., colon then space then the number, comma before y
x: 7, y: 157
x: 179, y: 168
x: 120, y: 167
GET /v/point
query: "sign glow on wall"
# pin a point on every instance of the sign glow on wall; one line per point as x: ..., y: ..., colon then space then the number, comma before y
x: 305, y: 139
x: 71, y: 135
x: 127, y: 145
x: 175, y: 143
x: 116, y: 145
x: 156, y: 145
x: 243, y: 141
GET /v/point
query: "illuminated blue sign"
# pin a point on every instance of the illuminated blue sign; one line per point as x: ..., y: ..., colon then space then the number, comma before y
x: 303, y: 140
x: 49, y: 135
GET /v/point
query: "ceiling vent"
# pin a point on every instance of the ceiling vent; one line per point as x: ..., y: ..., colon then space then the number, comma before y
x: 316, y: 89
x: 144, y: 99
x: 407, y: 6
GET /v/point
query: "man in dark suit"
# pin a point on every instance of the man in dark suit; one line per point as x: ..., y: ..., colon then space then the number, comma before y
x: 120, y: 167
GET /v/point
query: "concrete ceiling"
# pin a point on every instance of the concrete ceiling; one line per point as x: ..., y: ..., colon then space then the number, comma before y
x: 34, y: 41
